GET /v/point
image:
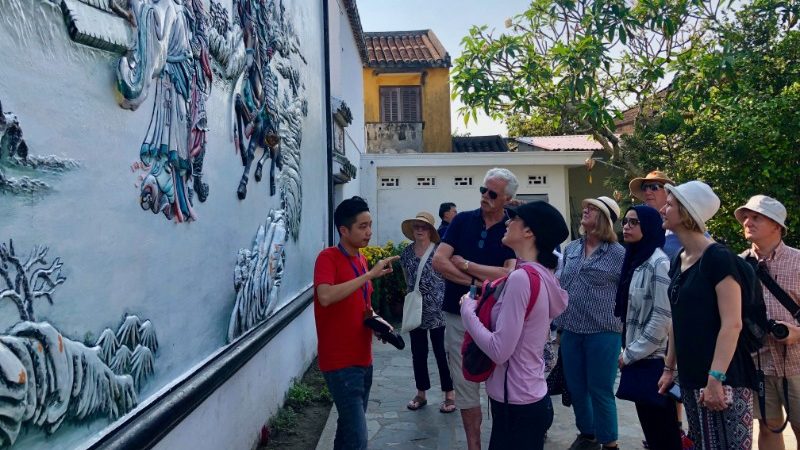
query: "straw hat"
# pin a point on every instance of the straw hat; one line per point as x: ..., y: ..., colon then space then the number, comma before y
x: 766, y: 206
x: 422, y: 217
x: 699, y: 200
x: 656, y: 176
x: 606, y: 205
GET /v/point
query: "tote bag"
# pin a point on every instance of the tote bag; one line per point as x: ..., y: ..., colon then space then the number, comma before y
x: 412, y: 307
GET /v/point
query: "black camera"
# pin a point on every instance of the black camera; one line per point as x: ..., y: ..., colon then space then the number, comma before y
x: 778, y: 330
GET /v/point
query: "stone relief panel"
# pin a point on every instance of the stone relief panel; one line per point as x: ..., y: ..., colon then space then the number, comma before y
x: 210, y: 94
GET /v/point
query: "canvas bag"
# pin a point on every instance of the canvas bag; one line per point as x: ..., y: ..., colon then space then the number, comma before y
x: 412, y: 307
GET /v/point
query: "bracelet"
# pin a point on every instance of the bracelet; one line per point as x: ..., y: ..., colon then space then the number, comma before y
x: 719, y: 376
x: 670, y: 369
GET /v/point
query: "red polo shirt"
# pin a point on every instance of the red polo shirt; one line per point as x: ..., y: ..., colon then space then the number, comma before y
x: 342, y: 339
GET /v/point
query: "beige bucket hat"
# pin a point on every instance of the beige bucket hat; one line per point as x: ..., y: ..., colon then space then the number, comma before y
x: 655, y: 176
x: 424, y: 217
x: 766, y: 206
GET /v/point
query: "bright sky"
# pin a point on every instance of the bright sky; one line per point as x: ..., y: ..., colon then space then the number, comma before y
x: 450, y: 20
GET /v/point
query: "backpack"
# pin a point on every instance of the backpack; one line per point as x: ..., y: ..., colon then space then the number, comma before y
x: 754, y: 310
x: 476, y: 365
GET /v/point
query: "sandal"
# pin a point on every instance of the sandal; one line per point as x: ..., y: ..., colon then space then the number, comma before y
x: 447, y: 406
x: 416, y: 403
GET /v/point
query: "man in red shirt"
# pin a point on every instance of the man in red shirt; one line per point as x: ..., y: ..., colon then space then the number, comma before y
x: 342, y: 290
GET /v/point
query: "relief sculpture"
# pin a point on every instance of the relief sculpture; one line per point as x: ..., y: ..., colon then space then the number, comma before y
x: 47, y: 378
x: 15, y: 157
x: 170, y: 51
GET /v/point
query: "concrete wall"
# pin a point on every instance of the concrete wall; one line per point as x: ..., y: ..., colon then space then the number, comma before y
x: 110, y: 260
x: 435, y: 102
x: 394, y: 204
x: 347, y: 84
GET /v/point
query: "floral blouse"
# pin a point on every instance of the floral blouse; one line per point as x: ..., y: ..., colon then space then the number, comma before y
x: 431, y: 286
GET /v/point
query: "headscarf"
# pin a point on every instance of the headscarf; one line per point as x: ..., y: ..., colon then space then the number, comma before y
x: 638, y: 253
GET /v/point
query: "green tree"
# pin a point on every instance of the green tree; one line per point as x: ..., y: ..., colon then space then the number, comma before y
x: 584, y: 61
x: 538, y: 124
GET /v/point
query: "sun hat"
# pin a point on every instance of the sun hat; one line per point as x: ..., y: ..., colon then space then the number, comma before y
x: 605, y: 204
x: 766, y: 206
x: 422, y: 216
x: 699, y: 200
x: 656, y: 176
x: 544, y: 220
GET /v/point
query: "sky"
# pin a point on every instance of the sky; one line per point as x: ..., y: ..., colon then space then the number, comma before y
x: 451, y: 21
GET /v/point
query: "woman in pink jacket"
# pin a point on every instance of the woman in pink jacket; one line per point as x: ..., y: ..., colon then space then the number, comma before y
x: 517, y: 388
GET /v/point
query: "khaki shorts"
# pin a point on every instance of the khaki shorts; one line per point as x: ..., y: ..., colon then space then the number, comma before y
x: 774, y: 404
x: 468, y: 394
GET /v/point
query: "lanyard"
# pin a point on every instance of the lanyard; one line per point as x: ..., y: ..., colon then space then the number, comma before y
x: 364, y: 289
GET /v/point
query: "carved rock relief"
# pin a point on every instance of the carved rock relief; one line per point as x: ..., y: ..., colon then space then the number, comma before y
x: 47, y: 378
x: 15, y: 157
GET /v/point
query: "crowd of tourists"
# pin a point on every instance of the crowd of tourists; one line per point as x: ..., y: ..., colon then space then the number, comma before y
x: 669, y: 319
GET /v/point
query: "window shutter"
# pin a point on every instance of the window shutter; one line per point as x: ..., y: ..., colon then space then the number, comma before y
x: 389, y: 105
x: 410, y: 102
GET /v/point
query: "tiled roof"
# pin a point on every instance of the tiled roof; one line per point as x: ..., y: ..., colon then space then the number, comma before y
x: 479, y: 144
x: 405, y: 49
x: 575, y: 142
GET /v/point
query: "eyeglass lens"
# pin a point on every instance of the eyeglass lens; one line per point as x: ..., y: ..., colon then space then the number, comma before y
x: 632, y: 222
x: 651, y: 187
x: 492, y: 194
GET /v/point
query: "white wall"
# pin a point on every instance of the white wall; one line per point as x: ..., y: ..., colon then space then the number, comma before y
x: 391, y: 206
x: 119, y: 259
x: 347, y: 84
x: 233, y: 415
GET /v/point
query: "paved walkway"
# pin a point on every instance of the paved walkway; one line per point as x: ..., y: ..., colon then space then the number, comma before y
x: 391, y: 425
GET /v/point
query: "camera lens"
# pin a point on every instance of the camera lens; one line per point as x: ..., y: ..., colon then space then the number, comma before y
x: 779, y: 330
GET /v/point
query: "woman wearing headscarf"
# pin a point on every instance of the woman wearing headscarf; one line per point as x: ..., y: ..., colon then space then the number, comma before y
x: 591, y: 335
x: 521, y: 409
x: 716, y: 371
x: 643, y: 306
x: 421, y: 231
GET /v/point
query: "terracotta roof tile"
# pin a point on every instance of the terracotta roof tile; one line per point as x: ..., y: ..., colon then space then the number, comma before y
x: 554, y: 143
x: 420, y: 48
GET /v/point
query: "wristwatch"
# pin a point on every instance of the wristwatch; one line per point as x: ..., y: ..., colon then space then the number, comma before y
x: 719, y: 376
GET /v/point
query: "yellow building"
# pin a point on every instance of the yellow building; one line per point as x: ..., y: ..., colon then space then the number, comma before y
x: 406, y: 93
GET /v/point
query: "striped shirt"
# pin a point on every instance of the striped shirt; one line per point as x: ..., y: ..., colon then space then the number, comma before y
x: 592, y: 287
x: 649, y: 316
x: 784, y: 267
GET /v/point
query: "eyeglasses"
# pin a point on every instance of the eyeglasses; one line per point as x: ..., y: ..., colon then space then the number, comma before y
x: 651, y: 187
x: 632, y: 222
x: 419, y: 227
x: 492, y: 194
x: 484, y: 233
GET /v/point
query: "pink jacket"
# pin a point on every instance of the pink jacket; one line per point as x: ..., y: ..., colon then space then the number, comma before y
x: 515, y: 343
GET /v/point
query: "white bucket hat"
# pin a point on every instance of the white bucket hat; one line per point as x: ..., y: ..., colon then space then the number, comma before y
x: 699, y: 200
x: 605, y: 204
x: 766, y: 206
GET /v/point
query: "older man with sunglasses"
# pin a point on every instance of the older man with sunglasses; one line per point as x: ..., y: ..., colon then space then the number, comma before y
x: 650, y: 190
x: 470, y: 253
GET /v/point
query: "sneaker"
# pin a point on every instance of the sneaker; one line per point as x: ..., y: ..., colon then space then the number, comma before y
x: 584, y: 443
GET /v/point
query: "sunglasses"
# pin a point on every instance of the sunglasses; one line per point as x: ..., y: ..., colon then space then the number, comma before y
x: 632, y: 222
x: 651, y: 187
x: 419, y: 227
x: 492, y: 194
x: 484, y: 233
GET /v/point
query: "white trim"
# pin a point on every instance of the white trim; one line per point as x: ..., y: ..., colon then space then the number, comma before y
x: 569, y: 159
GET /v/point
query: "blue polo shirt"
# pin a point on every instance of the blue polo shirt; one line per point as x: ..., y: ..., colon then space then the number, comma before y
x: 463, y: 235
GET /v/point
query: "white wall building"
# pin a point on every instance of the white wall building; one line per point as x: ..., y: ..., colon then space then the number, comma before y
x: 398, y: 186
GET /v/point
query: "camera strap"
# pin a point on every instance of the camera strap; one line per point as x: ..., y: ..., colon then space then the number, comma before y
x: 773, y: 286
x: 762, y: 394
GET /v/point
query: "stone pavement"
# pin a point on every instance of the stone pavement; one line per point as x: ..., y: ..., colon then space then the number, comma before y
x: 391, y: 425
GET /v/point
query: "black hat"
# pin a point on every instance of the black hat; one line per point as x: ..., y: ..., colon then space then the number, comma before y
x: 545, y: 221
